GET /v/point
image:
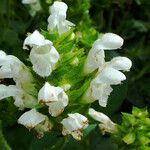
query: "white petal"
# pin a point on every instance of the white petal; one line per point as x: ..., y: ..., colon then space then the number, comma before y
x: 35, y: 39
x: 74, y: 125
x: 49, y: 93
x: 95, y: 59
x: 56, y: 108
x: 121, y: 63
x: 108, y: 41
x: 31, y: 118
x: 44, y: 59
x: 7, y: 91
x: 101, y: 93
x: 109, y: 76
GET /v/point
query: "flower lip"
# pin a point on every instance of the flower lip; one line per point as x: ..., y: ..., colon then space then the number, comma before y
x: 109, y: 75
x: 35, y: 40
x: 108, y: 41
x: 31, y: 118
x: 58, y: 8
x: 120, y: 63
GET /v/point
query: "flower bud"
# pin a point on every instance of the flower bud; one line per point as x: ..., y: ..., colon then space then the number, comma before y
x: 106, y: 124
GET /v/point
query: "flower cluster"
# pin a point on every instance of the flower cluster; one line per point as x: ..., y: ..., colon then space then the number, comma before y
x: 108, y: 72
x: 54, y: 85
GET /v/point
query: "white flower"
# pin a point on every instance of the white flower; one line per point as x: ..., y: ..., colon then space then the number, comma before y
x: 35, y: 39
x: 95, y: 58
x: 29, y: 1
x: 44, y: 59
x: 120, y: 63
x: 74, y: 125
x: 57, y: 19
x: 106, y: 125
x: 100, y: 88
x: 54, y: 97
x: 31, y: 118
x: 43, y: 55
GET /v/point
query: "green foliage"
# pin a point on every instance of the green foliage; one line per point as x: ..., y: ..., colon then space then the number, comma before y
x: 3, y: 143
x: 134, y: 131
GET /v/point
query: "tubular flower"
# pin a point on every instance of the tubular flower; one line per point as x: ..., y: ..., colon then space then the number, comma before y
x: 57, y: 19
x: 106, y: 125
x: 33, y: 119
x: 54, y: 97
x: 74, y: 125
x: 43, y: 55
x: 95, y: 58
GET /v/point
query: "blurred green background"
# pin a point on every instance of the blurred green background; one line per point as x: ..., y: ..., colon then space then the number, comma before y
x: 128, y: 18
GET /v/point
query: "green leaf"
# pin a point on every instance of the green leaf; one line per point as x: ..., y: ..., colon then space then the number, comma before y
x: 3, y: 143
x: 129, y: 138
